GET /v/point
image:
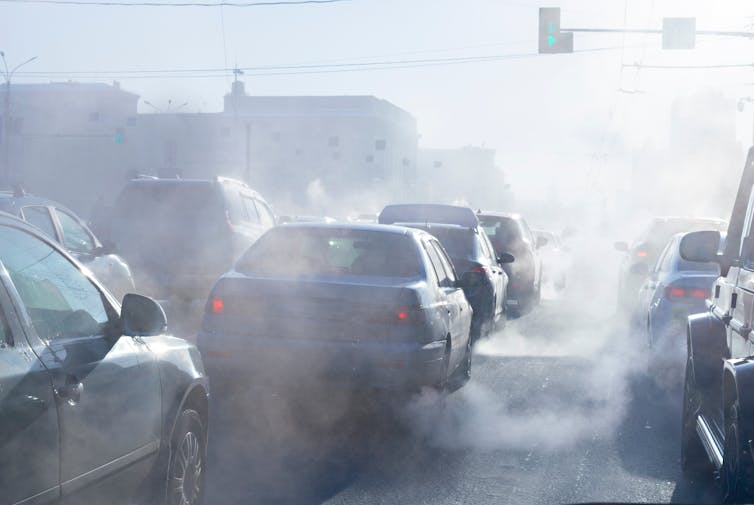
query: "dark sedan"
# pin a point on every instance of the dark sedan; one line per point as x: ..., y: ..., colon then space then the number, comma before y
x: 97, y: 404
x: 365, y: 307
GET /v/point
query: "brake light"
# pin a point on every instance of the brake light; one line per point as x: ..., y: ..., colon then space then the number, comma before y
x: 675, y: 293
x: 217, y: 305
x: 642, y: 254
x: 399, y: 315
x: 480, y: 270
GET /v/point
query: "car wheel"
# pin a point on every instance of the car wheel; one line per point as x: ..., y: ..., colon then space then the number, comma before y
x: 693, y: 457
x: 188, y: 455
x: 736, y: 470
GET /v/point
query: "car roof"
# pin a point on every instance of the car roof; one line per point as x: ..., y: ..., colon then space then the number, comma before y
x: 384, y: 228
x: 152, y: 181
x: 14, y: 201
x: 428, y: 213
x: 507, y: 215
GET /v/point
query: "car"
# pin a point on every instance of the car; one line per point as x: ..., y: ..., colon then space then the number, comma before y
x: 457, y: 229
x: 674, y: 289
x: 97, y: 403
x: 361, y: 307
x: 180, y: 235
x: 555, y: 259
x: 510, y: 233
x: 642, y: 254
x: 718, y: 407
x: 64, y: 226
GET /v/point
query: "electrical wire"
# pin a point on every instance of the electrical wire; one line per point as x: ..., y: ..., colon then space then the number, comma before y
x: 177, y: 4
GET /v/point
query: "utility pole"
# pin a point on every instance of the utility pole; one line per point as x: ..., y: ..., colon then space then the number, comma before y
x: 6, y: 173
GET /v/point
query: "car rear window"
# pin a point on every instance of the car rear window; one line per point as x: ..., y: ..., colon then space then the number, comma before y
x: 459, y: 243
x: 166, y: 203
x: 335, y: 252
x: 501, y: 230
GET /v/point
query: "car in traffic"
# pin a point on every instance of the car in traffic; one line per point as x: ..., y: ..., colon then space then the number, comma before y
x: 718, y: 411
x: 180, y: 235
x: 457, y: 229
x: 674, y: 289
x: 98, y: 404
x: 641, y: 256
x: 510, y: 233
x: 555, y: 259
x: 65, y: 227
x: 362, y: 307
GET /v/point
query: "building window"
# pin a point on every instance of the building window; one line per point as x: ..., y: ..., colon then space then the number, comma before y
x: 406, y: 162
x: 379, y: 145
x: 94, y: 116
x: 336, y: 155
x: 437, y: 164
x: 16, y: 125
x: 369, y: 159
x: 333, y: 141
x: 131, y: 121
x: 276, y: 136
x: 225, y: 132
x: 299, y: 151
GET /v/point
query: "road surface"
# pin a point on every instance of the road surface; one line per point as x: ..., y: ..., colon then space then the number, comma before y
x: 559, y: 410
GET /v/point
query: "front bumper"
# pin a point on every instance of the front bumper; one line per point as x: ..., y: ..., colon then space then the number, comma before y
x: 281, y: 364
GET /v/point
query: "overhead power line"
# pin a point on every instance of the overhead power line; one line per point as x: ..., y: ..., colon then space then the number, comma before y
x: 690, y: 67
x: 177, y: 4
x: 273, y: 70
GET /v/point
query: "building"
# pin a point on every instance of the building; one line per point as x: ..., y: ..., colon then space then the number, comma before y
x: 304, y: 153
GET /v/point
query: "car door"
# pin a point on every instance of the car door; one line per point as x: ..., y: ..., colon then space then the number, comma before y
x: 29, y: 436
x: 109, y: 431
x: 742, y: 297
x: 458, y: 308
x: 496, y: 272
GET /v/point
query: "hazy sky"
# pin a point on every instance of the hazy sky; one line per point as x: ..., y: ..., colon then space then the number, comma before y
x: 547, y: 115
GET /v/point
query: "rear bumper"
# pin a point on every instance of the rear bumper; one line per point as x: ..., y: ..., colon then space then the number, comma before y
x: 295, y: 364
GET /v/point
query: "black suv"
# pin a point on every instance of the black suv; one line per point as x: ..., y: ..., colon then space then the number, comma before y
x: 180, y: 235
x: 97, y: 404
x: 457, y: 229
x: 509, y: 233
x: 718, y: 407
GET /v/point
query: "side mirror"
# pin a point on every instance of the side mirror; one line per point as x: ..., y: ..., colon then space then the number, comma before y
x: 639, y: 269
x: 621, y: 246
x: 700, y: 246
x: 470, y: 279
x: 505, y: 258
x: 141, y: 316
x: 541, y: 242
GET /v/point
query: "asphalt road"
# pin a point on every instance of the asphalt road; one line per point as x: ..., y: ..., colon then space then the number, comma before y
x: 559, y: 410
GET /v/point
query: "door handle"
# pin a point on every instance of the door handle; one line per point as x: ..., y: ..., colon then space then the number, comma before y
x: 70, y: 391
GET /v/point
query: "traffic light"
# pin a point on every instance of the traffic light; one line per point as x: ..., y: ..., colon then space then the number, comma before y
x: 119, y: 135
x: 551, y: 39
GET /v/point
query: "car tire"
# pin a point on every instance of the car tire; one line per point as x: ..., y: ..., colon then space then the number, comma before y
x: 694, y: 460
x: 735, y: 474
x: 462, y: 374
x: 188, y: 456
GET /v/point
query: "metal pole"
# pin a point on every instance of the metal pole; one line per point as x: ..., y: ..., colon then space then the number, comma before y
x: 248, y: 153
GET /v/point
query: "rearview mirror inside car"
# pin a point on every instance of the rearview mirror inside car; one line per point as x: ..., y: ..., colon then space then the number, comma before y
x: 700, y: 246
x: 505, y: 258
x: 470, y: 279
x: 621, y: 246
x: 141, y: 316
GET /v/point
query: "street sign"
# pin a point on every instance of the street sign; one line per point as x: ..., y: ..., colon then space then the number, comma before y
x: 551, y: 39
x: 678, y: 33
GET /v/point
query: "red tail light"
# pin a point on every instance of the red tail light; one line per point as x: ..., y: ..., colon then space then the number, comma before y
x: 642, y: 254
x: 217, y: 306
x: 480, y: 270
x: 400, y: 315
x: 675, y: 293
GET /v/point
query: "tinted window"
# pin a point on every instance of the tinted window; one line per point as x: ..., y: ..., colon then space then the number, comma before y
x: 446, y: 264
x: 265, y: 214
x: 251, y: 209
x: 167, y: 205
x: 40, y: 217
x: 75, y: 236
x: 487, y: 249
x: 437, y: 265
x: 59, y: 299
x: 458, y: 242
x: 338, y: 252
x: 503, y: 232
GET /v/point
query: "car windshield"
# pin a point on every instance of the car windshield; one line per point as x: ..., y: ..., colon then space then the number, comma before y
x: 413, y: 252
x: 332, y: 253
